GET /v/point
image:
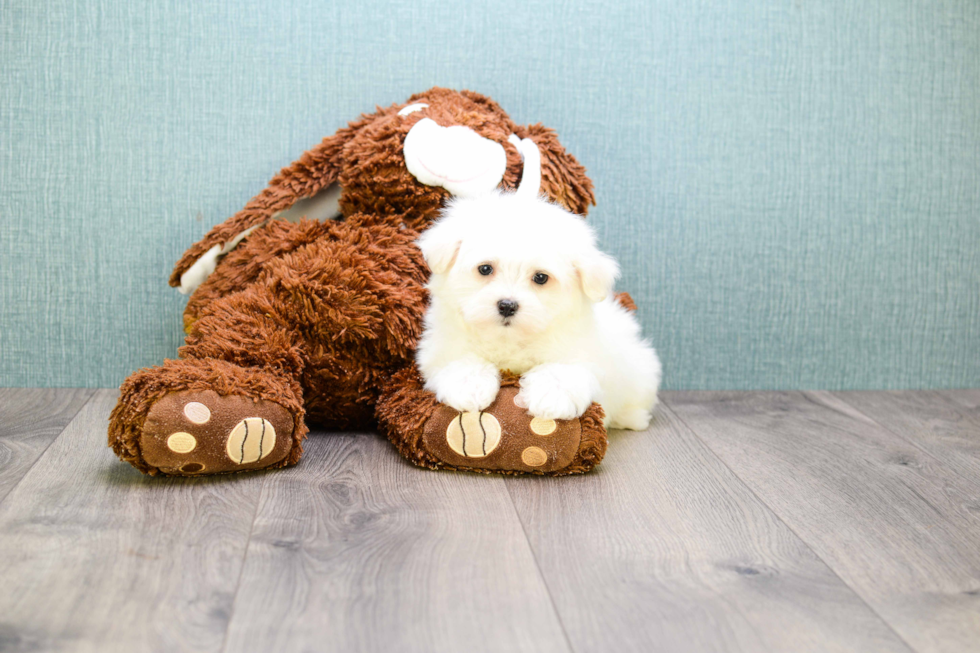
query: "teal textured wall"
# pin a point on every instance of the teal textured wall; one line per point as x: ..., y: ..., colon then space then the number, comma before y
x: 792, y: 188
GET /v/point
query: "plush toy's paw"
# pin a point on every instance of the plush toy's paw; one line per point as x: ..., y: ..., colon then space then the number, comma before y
x: 466, y: 385
x: 557, y: 391
x: 194, y: 432
x: 504, y: 437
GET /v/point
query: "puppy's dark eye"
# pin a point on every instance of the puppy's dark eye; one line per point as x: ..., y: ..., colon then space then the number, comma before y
x: 540, y: 278
x: 486, y: 269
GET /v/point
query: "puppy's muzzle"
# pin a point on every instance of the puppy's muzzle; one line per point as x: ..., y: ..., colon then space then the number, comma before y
x: 507, y: 307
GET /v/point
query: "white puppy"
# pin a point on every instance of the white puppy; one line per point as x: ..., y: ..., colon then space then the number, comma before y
x: 518, y: 284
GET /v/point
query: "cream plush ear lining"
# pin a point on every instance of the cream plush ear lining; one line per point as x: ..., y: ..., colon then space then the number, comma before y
x: 455, y: 158
x: 199, y: 272
x: 531, y: 156
x: 325, y: 205
x: 204, y: 266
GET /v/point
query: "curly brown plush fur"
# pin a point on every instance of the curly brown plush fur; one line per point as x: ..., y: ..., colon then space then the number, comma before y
x: 323, y: 317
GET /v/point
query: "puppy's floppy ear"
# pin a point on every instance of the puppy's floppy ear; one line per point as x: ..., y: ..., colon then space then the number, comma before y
x: 440, y: 244
x: 597, y: 272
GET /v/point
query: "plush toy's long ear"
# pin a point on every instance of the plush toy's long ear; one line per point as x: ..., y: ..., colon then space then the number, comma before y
x: 313, y: 172
x: 440, y: 245
x: 563, y: 178
x: 597, y: 273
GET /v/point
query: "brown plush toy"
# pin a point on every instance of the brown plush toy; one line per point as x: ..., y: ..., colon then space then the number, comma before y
x: 296, y: 317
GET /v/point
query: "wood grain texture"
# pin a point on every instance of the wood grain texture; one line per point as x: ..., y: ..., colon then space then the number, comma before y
x: 894, y: 522
x: 663, y: 548
x: 96, y: 557
x: 944, y: 423
x: 738, y: 522
x: 358, y: 550
x: 967, y: 397
x: 30, y: 419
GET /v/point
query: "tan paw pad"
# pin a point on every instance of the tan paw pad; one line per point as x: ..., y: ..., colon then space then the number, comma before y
x: 181, y: 442
x: 543, y: 426
x: 473, y: 435
x: 197, y: 412
x: 534, y: 456
x: 252, y: 439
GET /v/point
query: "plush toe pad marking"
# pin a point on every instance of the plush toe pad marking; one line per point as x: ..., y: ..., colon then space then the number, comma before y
x: 181, y: 442
x: 543, y: 426
x: 197, y: 412
x: 473, y: 435
x: 202, y: 432
x: 515, y: 441
x: 252, y: 439
x: 534, y: 456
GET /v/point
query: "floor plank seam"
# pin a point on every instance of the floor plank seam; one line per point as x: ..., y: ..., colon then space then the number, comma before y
x: 92, y: 393
x: 537, y: 566
x: 241, y: 571
x: 915, y: 445
x: 665, y: 405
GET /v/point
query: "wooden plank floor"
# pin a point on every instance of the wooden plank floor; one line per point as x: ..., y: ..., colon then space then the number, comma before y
x: 752, y: 521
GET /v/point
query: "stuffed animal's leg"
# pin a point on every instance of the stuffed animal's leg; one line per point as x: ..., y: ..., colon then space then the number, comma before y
x: 233, y: 402
x: 206, y: 416
x: 504, y: 438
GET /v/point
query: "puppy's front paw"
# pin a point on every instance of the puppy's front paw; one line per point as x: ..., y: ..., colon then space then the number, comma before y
x: 466, y: 385
x: 558, y: 391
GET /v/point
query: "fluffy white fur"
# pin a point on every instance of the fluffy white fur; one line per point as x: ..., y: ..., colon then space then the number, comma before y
x: 569, y: 340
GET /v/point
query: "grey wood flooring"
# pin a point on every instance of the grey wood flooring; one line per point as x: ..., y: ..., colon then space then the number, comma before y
x: 750, y: 521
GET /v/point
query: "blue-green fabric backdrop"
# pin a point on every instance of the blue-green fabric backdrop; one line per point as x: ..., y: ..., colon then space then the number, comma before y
x: 792, y: 187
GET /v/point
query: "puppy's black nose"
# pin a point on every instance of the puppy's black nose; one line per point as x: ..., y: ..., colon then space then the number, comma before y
x: 507, y: 307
